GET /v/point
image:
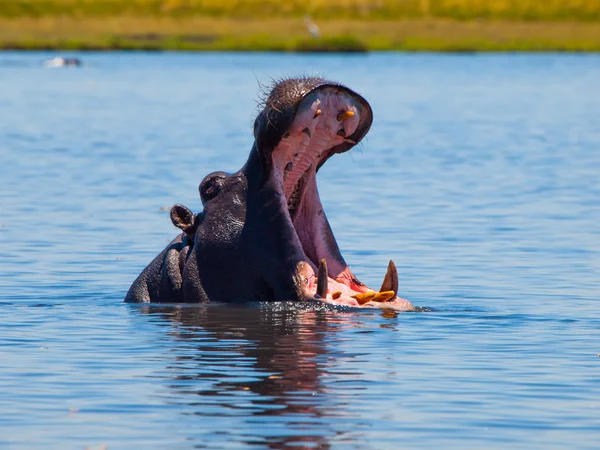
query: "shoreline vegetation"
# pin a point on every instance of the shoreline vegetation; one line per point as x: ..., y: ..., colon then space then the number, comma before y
x: 302, y: 26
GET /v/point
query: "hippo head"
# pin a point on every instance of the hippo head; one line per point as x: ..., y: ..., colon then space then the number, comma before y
x: 263, y: 234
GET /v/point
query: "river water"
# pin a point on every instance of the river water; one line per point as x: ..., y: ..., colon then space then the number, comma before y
x: 480, y: 178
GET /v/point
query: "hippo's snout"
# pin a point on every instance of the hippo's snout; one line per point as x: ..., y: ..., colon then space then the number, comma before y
x: 311, y: 104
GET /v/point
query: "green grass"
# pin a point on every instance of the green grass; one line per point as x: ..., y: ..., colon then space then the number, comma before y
x: 319, y: 9
x: 346, y: 25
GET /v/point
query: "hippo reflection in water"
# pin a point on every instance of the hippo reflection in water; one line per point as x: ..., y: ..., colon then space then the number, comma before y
x: 263, y: 234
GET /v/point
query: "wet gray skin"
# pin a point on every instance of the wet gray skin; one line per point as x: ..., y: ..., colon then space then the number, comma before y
x: 262, y: 234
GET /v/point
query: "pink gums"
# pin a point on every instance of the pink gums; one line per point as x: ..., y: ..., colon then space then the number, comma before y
x: 315, y: 130
x: 346, y: 285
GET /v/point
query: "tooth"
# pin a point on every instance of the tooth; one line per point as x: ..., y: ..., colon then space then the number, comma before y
x: 322, y: 280
x: 364, y: 297
x: 318, y: 112
x: 383, y: 296
x: 345, y: 115
x: 342, y: 132
x: 390, y: 282
x: 307, y: 131
x: 350, y: 141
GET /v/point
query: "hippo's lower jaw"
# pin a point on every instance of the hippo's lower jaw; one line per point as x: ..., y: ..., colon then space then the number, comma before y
x: 329, y: 119
x: 346, y: 290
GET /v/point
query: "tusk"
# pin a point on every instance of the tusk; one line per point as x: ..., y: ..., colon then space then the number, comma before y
x: 322, y: 280
x: 390, y: 282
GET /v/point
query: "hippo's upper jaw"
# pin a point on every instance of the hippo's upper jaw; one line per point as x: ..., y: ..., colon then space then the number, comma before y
x: 263, y: 234
x: 305, y: 122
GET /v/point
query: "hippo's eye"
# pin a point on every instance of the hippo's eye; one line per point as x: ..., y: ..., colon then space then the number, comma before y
x: 208, y: 190
x: 211, y: 186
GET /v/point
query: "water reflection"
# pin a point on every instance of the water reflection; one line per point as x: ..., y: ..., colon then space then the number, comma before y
x: 265, y: 362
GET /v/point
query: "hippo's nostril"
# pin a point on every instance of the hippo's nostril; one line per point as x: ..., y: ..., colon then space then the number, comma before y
x: 341, y: 133
x: 307, y: 131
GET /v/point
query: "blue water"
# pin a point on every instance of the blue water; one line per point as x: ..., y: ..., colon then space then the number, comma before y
x: 480, y: 178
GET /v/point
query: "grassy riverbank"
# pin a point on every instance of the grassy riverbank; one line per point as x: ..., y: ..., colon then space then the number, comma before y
x: 350, y: 25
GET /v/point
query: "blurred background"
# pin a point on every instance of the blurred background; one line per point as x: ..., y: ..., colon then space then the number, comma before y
x: 295, y: 25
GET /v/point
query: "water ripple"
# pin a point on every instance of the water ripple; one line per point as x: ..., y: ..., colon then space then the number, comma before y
x: 479, y: 178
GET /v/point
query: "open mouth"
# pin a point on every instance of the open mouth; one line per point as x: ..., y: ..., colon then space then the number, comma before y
x: 323, y: 122
x: 328, y: 120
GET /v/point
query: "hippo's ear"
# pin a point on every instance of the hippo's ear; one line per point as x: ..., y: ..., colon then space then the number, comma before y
x: 182, y: 217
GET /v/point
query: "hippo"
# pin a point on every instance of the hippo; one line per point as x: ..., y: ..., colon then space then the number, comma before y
x: 262, y: 234
x: 60, y: 61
